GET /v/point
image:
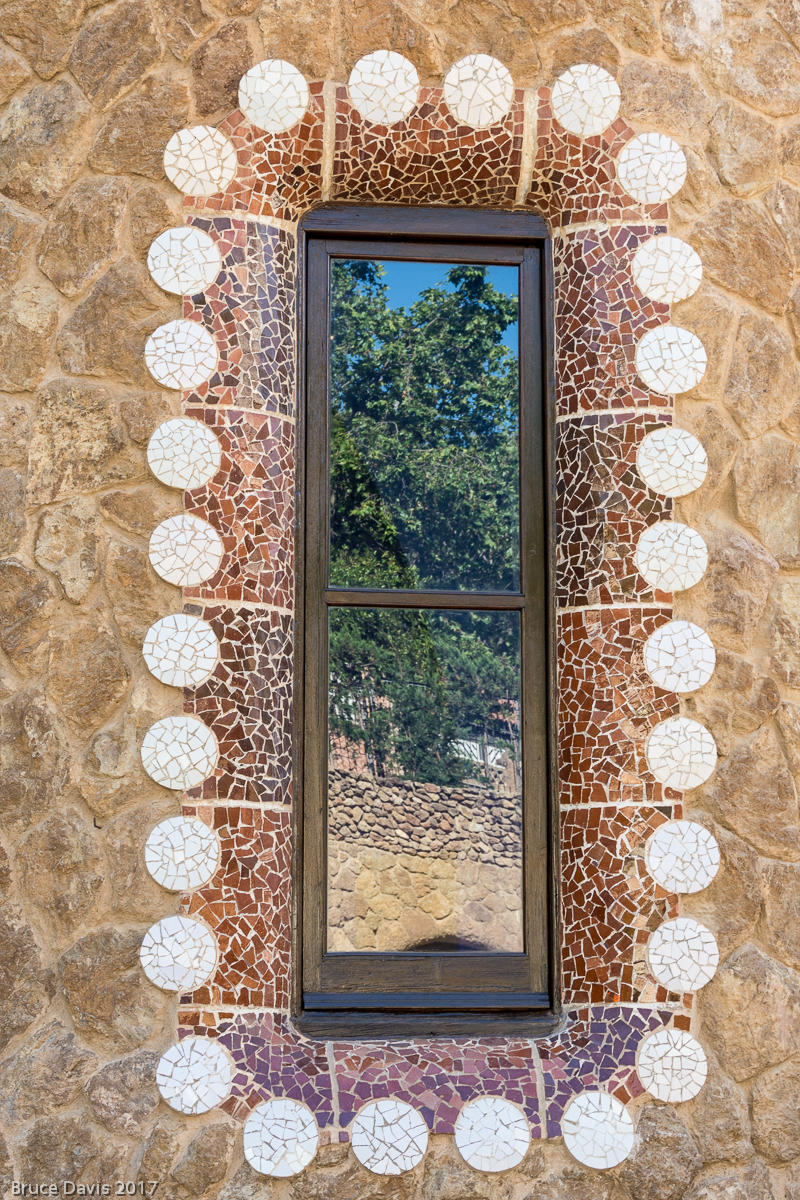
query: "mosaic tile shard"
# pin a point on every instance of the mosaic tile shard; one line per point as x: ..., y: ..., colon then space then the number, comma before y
x: 383, y: 87
x: 181, y: 354
x: 178, y: 954
x: 670, y: 359
x: 184, y: 260
x: 672, y: 461
x: 585, y: 99
x: 683, y: 955
x: 492, y: 1134
x: 652, y: 168
x: 388, y: 1137
x: 598, y: 1130
x: 182, y: 853
x: 681, y: 753
x: 181, y: 650
x: 200, y: 161
x: 667, y: 269
x: 179, y: 752
x: 672, y: 1065
x: 184, y: 453
x: 274, y: 95
x: 679, y: 657
x: 194, y: 1075
x: 682, y: 856
x: 479, y: 91
x: 185, y: 550
x: 280, y: 1137
x: 671, y: 556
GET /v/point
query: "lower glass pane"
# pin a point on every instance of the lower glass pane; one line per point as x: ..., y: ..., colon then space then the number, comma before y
x: 424, y: 781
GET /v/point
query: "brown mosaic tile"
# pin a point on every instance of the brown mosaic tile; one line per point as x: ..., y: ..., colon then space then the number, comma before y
x: 602, y: 507
x: 248, y: 906
x: 607, y: 705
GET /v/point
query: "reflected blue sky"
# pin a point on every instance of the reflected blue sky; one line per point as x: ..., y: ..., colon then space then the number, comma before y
x: 405, y: 281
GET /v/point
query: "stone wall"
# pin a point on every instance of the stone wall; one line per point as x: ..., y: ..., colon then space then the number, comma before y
x: 93, y: 91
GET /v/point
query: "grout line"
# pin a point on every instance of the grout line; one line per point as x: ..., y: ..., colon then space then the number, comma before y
x: 328, y: 138
x: 529, y: 143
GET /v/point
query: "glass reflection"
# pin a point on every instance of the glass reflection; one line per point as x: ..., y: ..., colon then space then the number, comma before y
x: 424, y: 781
x: 424, y: 394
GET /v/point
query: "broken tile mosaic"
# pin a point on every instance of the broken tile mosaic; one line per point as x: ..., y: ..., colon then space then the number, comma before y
x: 194, y: 1075
x: 179, y: 752
x: 184, y: 453
x: 672, y: 461
x: 181, y: 354
x: 652, y: 168
x: 184, y: 260
x: 200, y: 161
x: 388, y: 1137
x: 679, y: 657
x: 273, y: 95
x: 280, y: 1137
x: 598, y: 1130
x: 681, y: 753
x: 585, y: 99
x: 667, y: 269
x: 383, y: 87
x: 492, y: 1134
x: 178, y: 954
x: 682, y: 856
x: 683, y: 955
x: 181, y: 650
x: 670, y: 359
x: 478, y: 90
x: 671, y: 556
x: 672, y: 1065
x: 182, y: 853
x: 185, y: 550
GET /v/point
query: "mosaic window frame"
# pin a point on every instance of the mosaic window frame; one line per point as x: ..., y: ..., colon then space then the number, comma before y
x: 630, y: 963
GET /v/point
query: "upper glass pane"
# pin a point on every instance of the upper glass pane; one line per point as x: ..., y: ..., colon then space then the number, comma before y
x: 424, y: 421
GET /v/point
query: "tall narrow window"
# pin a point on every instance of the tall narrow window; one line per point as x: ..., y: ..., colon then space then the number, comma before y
x: 426, y: 878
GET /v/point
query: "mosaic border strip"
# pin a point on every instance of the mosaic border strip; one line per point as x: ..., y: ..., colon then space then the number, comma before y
x: 233, y: 453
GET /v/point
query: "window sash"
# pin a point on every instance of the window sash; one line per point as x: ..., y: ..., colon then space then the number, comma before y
x: 464, y: 983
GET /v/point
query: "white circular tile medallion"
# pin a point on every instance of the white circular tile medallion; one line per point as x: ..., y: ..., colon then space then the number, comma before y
x: 200, y: 161
x: 388, y: 1137
x: 598, y: 1130
x: 585, y: 99
x: 182, y: 853
x: 185, y: 550
x: 683, y: 955
x: 651, y: 168
x: 181, y: 650
x: 492, y: 1134
x: 273, y: 95
x: 195, y: 1075
x: 682, y: 856
x: 666, y: 269
x: 179, y: 752
x: 184, y: 260
x: 671, y: 461
x: 184, y: 453
x: 178, y: 954
x: 681, y: 753
x: 670, y: 359
x: 671, y: 557
x: 479, y: 91
x: 383, y: 87
x: 181, y: 355
x: 672, y: 1065
x: 280, y: 1137
x: 679, y: 657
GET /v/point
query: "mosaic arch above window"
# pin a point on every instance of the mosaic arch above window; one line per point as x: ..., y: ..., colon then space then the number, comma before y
x: 629, y: 962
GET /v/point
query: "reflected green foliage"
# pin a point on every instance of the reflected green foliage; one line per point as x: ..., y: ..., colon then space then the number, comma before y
x: 424, y: 494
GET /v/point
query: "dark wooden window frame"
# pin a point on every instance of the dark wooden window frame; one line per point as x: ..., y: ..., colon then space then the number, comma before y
x: 419, y: 993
